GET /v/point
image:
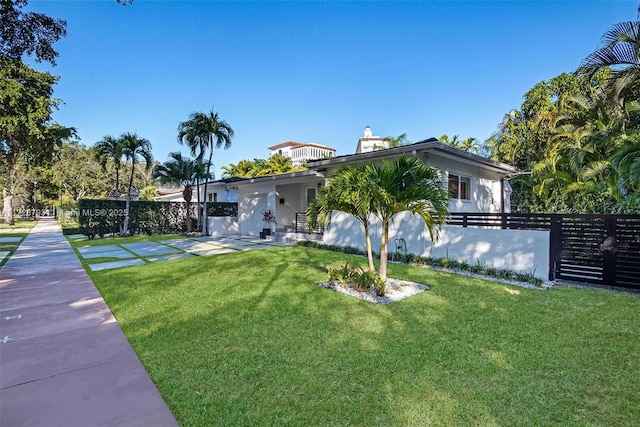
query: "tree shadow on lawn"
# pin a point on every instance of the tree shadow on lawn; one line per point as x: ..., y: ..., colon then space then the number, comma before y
x: 239, y: 344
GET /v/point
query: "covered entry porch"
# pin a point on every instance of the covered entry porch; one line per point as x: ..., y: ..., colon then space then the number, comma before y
x: 286, y: 196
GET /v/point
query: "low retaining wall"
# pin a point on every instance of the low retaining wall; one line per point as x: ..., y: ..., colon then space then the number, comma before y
x: 519, y: 250
x: 222, y: 225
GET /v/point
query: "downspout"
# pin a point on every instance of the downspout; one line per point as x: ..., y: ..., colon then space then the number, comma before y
x: 501, y: 194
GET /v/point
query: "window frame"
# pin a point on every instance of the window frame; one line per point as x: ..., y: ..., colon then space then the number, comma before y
x: 461, y: 179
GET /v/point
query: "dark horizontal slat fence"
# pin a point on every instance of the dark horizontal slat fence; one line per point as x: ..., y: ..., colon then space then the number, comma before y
x: 517, y: 221
x: 596, y: 249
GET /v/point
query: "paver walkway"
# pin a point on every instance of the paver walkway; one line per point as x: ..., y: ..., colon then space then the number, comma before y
x: 64, y: 360
x: 141, y: 252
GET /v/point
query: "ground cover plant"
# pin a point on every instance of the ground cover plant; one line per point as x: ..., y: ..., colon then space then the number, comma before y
x: 249, y: 339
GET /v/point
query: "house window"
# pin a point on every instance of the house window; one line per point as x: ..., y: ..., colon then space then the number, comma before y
x: 459, y: 187
x: 311, y: 195
x: 213, y: 197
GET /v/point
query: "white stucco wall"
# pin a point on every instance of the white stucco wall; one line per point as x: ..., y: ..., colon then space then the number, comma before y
x: 520, y: 250
x: 252, y: 200
x: 292, y: 196
x: 222, y: 225
x: 485, y: 185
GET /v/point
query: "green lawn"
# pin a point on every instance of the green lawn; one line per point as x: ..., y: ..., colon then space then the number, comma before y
x: 117, y: 240
x: 248, y: 339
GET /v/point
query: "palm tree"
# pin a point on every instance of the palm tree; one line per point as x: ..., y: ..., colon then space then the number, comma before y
x: 626, y: 163
x: 620, y: 51
x: 108, y: 149
x: 347, y: 192
x: 134, y: 149
x: 397, y: 141
x: 469, y: 144
x: 179, y: 170
x: 383, y: 190
x: 406, y: 184
x: 203, y: 132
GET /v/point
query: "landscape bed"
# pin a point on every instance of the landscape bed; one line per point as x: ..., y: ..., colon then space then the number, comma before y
x: 250, y: 339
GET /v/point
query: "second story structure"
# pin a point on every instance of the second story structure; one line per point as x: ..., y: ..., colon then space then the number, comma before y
x: 300, y: 153
x: 368, y: 142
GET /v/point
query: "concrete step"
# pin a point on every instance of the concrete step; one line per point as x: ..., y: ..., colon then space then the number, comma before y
x: 291, y: 236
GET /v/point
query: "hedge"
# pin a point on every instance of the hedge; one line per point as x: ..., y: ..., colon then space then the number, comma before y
x: 102, y: 217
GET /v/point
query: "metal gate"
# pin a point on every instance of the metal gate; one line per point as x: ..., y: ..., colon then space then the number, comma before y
x: 598, y: 249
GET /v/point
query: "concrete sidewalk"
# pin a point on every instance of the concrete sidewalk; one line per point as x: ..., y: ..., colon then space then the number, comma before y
x: 64, y: 360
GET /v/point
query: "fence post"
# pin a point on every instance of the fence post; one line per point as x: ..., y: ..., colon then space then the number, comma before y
x: 555, y: 245
x: 608, y: 249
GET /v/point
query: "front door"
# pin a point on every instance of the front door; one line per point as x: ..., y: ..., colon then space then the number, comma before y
x: 311, y: 195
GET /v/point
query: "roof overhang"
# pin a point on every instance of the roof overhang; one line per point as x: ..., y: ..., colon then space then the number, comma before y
x: 431, y: 145
x: 285, y: 178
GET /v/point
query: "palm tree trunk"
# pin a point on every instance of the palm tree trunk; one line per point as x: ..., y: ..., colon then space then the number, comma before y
x: 117, y: 190
x: 186, y: 195
x: 198, y: 203
x: 125, y: 228
x: 384, y: 249
x: 369, y: 249
x: 205, y: 227
x: 7, y: 196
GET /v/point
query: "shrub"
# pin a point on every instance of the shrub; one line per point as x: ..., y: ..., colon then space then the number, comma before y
x: 361, y: 279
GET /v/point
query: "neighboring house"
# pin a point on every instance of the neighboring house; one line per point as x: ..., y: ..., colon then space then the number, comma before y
x: 300, y: 153
x: 368, y: 142
x: 169, y: 195
x: 476, y: 184
x: 135, y: 196
x: 222, y: 190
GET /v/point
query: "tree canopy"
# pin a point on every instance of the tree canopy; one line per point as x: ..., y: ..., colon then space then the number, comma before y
x: 28, y: 136
x: 577, y: 134
x: 275, y: 164
x: 28, y: 33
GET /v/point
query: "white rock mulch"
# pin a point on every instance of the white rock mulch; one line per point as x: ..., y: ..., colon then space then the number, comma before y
x: 396, y: 290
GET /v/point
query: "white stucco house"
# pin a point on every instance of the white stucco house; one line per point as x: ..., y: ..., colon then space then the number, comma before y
x: 300, y: 153
x: 369, y: 142
x: 476, y: 183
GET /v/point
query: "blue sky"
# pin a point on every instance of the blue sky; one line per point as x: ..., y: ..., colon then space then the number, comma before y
x: 312, y: 71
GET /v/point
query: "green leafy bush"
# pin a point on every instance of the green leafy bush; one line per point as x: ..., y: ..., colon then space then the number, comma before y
x: 361, y: 279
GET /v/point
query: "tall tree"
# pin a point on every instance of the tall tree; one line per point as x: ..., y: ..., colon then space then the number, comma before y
x: 619, y: 51
x: 135, y: 150
x: 202, y: 133
x: 28, y: 33
x: 27, y: 133
x: 110, y: 149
